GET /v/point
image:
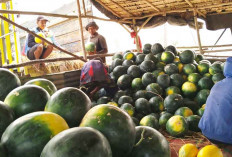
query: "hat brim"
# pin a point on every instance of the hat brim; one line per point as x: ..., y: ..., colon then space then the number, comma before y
x: 91, y: 25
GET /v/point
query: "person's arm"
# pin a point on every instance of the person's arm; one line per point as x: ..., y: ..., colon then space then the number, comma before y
x: 31, y: 40
x: 102, y: 42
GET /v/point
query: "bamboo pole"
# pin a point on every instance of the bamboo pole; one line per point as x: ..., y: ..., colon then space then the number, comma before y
x: 198, y: 33
x: 136, y: 38
x: 103, y: 19
x: 125, y: 28
x: 214, y: 51
x: 190, y: 47
x: 191, y: 5
x: 81, y: 30
x: 34, y: 34
x: 148, y: 19
x: 83, y: 4
x: 1, y: 45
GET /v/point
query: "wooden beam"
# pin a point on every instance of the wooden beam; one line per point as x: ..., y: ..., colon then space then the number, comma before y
x: 198, y: 33
x: 45, y: 40
x: 105, y: 6
x: 148, y: 19
x: 149, y: 3
x: 83, y: 5
x: 136, y: 38
x: 103, y: 19
x: 125, y: 28
x: 120, y: 7
x: 81, y: 30
x: 190, y: 47
x: 36, y: 13
x: 214, y: 51
x: 191, y: 5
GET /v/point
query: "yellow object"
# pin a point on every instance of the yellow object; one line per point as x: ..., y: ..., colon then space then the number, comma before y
x: 210, y: 151
x: 1, y: 45
x: 188, y: 150
x: 176, y: 123
x: 113, y: 103
x: 37, y: 40
x: 203, y: 106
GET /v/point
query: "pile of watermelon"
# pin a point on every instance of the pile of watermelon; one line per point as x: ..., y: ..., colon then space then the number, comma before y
x: 37, y: 120
x: 162, y: 88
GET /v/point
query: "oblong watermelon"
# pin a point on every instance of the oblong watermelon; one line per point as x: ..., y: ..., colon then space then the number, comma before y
x: 27, y: 99
x: 78, y: 142
x: 27, y: 135
x: 8, y: 82
x: 70, y: 103
x: 116, y: 125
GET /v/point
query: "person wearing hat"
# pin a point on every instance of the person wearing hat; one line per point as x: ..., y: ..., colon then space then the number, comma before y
x: 97, y: 39
x: 216, y: 122
x: 35, y: 50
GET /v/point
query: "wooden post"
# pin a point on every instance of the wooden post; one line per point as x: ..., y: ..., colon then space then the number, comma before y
x: 136, y: 38
x: 198, y: 33
x: 83, y: 4
x: 81, y: 29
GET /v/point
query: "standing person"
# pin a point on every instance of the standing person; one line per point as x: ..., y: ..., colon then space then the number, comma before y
x: 216, y: 122
x: 35, y: 50
x: 97, y: 39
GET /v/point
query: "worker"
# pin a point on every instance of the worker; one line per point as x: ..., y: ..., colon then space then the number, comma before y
x: 216, y: 122
x: 94, y: 76
x: 35, y: 50
x: 97, y: 39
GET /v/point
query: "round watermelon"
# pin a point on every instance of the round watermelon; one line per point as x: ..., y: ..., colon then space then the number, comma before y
x: 189, y: 69
x: 157, y: 48
x: 184, y: 111
x: 217, y: 77
x: 137, y: 84
x: 44, y: 83
x: 28, y: 135
x: 189, y: 89
x: 203, y: 68
x: 163, y: 119
x: 177, y: 80
x: 129, y: 56
x: 163, y: 80
x: 140, y: 94
x: 173, y: 102
x: 142, y: 106
x: 148, y: 78
x: 193, y: 122
x: 139, y: 58
x: 215, y: 68
x: 172, y: 49
x: 194, y: 77
x: 187, y: 57
x: 151, y: 57
x: 124, y: 81
x: 205, y: 83
x: 78, y: 142
x: 172, y: 90
x: 171, y: 69
x: 147, y: 66
x: 27, y: 99
x: 147, y: 48
x: 150, y: 121
x: 154, y: 88
x: 90, y: 47
x: 125, y: 99
x: 70, y: 103
x: 167, y: 57
x: 202, y: 96
x: 134, y: 71
x: 156, y: 104
x: 128, y: 108
x: 8, y: 82
x: 116, y: 125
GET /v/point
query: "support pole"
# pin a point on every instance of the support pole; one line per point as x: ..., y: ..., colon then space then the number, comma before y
x: 136, y: 38
x: 83, y: 4
x: 198, y: 33
x: 81, y: 29
x: 1, y: 46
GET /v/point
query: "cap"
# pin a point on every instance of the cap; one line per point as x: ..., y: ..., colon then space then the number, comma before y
x: 41, y: 18
x: 91, y: 24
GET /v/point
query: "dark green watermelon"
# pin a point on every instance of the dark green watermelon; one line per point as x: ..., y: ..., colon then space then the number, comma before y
x: 148, y: 78
x: 140, y: 94
x: 189, y: 69
x: 163, y: 119
x: 177, y: 80
x: 173, y: 102
x: 202, y: 96
x: 160, y: 65
x: 163, y: 80
x: 155, y: 88
x: 167, y: 57
x: 158, y: 72
x: 124, y: 81
x: 119, y: 71
x: 171, y: 69
x: 70, y: 103
x: 215, y: 68
x: 217, y: 77
x: 205, y: 83
x: 147, y: 48
x: 199, y: 57
x: 127, y: 63
x: 172, y: 49
x: 134, y: 71
x: 125, y: 99
x: 117, y: 55
x: 193, y: 122
x: 151, y: 57
x: 187, y: 57
x: 118, y: 94
x: 142, y: 106
x: 137, y: 84
x: 103, y: 100
x: 116, y: 62
x: 150, y: 121
x: 157, y: 48
x: 139, y: 58
x: 147, y: 66
x: 156, y: 104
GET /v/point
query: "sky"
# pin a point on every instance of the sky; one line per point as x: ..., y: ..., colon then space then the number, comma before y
x: 118, y: 39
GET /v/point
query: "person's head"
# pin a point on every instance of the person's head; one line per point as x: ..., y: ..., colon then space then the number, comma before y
x: 228, y: 67
x: 41, y: 22
x: 92, y: 28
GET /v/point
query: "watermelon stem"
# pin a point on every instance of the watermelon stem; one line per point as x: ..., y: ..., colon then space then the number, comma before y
x: 141, y: 139
x: 156, y: 94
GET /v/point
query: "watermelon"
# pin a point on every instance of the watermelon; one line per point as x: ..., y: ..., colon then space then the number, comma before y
x: 158, y: 56
x: 116, y: 62
x: 167, y: 57
x: 116, y: 125
x: 202, y: 96
x: 100, y: 93
x: 173, y: 102
x: 6, y: 117
x: 193, y: 122
x: 158, y: 72
x: 140, y: 94
x: 157, y: 48
x: 171, y: 69
x: 118, y: 94
x: 156, y: 104
x: 156, y: 115
x: 200, y: 112
x: 70, y: 103
x: 189, y: 89
x: 44, y: 83
x: 172, y: 90
x: 184, y: 111
x: 127, y: 63
x: 125, y: 99
x: 187, y: 57
x: 147, y: 66
x: 193, y: 105
x: 137, y: 84
x: 172, y: 49
x: 90, y: 47
x: 177, y: 126
x: 117, y: 55
x: 3, y: 152
x: 155, y: 88
x: 78, y: 142
x: 27, y: 99
x: 129, y: 56
x: 163, y: 80
x: 207, y: 75
x: 28, y: 135
x: 150, y: 121
x: 113, y: 103
x: 125, y: 52
x: 103, y: 100
x: 205, y: 61
x: 194, y: 77
x: 129, y: 92
x: 148, y: 78
x: 176, y: 80
x: 8, y: 82
x: 203, y: 68
x: 139, y: 59
x: 136, y: 121
x: 124, y: 81
x: 128, y: 108
x: 160, y: 66
x: 119, y: 71
x: 215, y: 68
x: 205, y: 83
x: 147, y: 48
x: 134, y: 71
x: 151, y: 57
x: 150, y: 143
x: 189, y: 69
x: 142, y: 106
x: 199, y: 57
x: 217, y: 77
x: 163, y: 119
